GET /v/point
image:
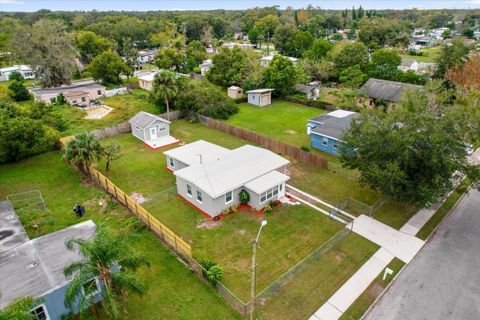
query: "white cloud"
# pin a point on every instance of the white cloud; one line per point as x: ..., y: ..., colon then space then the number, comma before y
x: 14, y: 2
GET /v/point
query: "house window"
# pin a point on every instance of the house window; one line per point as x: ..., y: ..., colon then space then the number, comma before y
x: 99, y: 92
x: 161, y: 128
x: 137, y: 128
x: 228, y: 197
x: 74, y: 101
x: 269, y: 194
x: 325, y: 141
x: 199, y: 197
x: 84, y: 99
x: 90, y: 288
x: 40, y: 313
x: 52, y: 100
x: 189, y: 190
x: 335, y: 144
x: 171, y: 162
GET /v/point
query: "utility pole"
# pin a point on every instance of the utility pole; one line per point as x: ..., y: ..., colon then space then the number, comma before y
x: 254, y: 268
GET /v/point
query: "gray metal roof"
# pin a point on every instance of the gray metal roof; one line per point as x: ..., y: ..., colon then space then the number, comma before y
x: 35, y: 267
x: 78, y: 87
x: 333, y: 126
x: 197, y: 152
x: 386, y: 90
x: 305, y: 88
x: 260, y: 91
x: 144, y: 119
x: 232, y: 170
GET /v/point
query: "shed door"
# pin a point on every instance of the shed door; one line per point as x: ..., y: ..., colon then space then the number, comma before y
x: 153, y: 133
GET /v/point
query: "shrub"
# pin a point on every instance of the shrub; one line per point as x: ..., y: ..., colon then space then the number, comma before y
x: 305, y: 148
x: 18, y: 92
x: 244, y: 196
x: 212, y: 271
x: 234, y: 209
x: 274, y: 203
x: 252, y: 209
x: 267, y: 209
x: 311, y: 103
x: 16, y: 76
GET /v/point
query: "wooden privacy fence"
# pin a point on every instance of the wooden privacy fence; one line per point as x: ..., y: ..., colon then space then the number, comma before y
x: 274, y: 145
x: 164, y: 233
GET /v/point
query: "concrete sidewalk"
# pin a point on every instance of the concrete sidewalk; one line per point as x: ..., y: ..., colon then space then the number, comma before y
x: 401, y: 245
x: 353, y: 288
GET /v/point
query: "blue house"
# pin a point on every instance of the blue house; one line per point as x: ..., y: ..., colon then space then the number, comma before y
x: 326, y: 130
x: 34, y: 268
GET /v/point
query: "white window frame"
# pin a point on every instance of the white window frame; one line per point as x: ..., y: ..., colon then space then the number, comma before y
x: 335, y: 144
x: 199, y: 193
x: 94, y: 293
x: 189, y: 190
x: 171, y: 162
x: 44, y: 311
x: 324, y: 141
x: 269, y: 194
x: 231, y: 197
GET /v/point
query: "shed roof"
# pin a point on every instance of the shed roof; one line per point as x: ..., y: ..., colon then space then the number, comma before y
x: 260, y: 91
x: 333, y: 124
x: 64, y: 89
x: 386, y: 90
x: 305, y: 88
x: 233, y: 170
x: 267, y: 181
x: 144, y: 119
x: 234, y: 88
x: 190, y: 153
x: 407, y: 62
x: 148, y: 77
x: 36, y: 266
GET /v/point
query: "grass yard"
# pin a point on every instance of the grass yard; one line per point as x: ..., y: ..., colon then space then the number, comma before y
x: 368, y: 297
x: 319, y: 281
x: 173, y: 291
x: 283, y: 121
x: 291, y: 234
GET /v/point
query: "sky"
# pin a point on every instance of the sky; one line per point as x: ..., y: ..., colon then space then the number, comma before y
x: 145, y: 5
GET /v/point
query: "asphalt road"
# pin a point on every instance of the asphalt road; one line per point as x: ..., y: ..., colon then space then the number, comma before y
x: 443, y: 281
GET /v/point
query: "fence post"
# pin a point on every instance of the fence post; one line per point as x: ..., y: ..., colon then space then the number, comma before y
x: 136, y: 209
x: 115, y: 190
x: 125, y: 198
x: 98, y: 177
x: 106, y: 184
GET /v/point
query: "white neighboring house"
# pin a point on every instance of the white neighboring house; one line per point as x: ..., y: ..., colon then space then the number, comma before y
x: 265, y: 61
x: 205, y: 66
x: 211, y: 177
x: 146, y: 81
x: 260, y: 97
x: 408, y: 64
x: 76, y: 94
x: 151, y: 129
x: 235, y: 92
x: 238, y: 44
x: 146, y: 56
x: 311, y: 90
x: 25, y: 71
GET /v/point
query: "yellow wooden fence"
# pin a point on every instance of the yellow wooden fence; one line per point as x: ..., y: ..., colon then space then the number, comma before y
x: 150, y: 221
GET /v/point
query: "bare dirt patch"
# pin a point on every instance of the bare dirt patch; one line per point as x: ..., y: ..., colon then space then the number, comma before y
x: 242, y: 264
x: 340, y: 256
x: 138, y: 197
x: 375, y: 290
x: 208, y: 224
x: 290, y: 131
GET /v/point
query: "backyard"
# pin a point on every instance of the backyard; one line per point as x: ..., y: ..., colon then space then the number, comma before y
x: 173, y: 291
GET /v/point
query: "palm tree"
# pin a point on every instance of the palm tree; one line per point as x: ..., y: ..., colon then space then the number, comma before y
x: 109, y: 259
x: 83, y: 150
x: 20, y: 309
x: 165, y: 87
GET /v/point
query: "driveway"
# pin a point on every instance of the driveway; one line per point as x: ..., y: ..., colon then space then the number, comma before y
x: 443, y: 280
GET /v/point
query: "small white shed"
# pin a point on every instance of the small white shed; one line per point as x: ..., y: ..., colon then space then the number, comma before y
x: 260, y: 97
x: 151, y: 129
x: 235, y: 92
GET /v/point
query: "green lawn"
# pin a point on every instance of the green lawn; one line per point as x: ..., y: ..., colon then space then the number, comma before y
x: 368, y: 297
x: 173, y: 291
x: 291, y: 234
x: 283, y: 121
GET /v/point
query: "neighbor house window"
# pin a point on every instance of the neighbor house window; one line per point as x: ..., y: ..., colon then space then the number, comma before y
x: 269, y: 194
x: 84, y: 99
x: 52, y: 100
x: 199, y: 196
x: 228, y: 197
x: 189, y: 190
x: 90, y: 288
x: 325, y: 141
x: 40, y: 313
x: 335, y: 144
x: 99, y: 92
x: 171, y: 162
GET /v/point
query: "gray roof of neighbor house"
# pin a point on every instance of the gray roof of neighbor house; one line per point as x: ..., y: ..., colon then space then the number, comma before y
x: 407, y: 62
x: 333, y: 124
x: 197, y: 152
x: 305, y: 88
x: 144, y: 119
x: 386, y: 90
x: 80, y: 87
x: 35, y: 267
x: 260, y: 91
x: 232, y: 170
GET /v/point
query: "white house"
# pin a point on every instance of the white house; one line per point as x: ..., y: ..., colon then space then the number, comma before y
x: 24, y: 70
x: 146, y: 56
x: 265, y: 61
x: 76, y: 94
x: 235, y: 92
x: 211, y: 177
x: 146, y: 81
x: 205, y: 66
x: 408, y: 64
x: 151, y: 129
x: 238, y: 44
x: 260, y: 97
